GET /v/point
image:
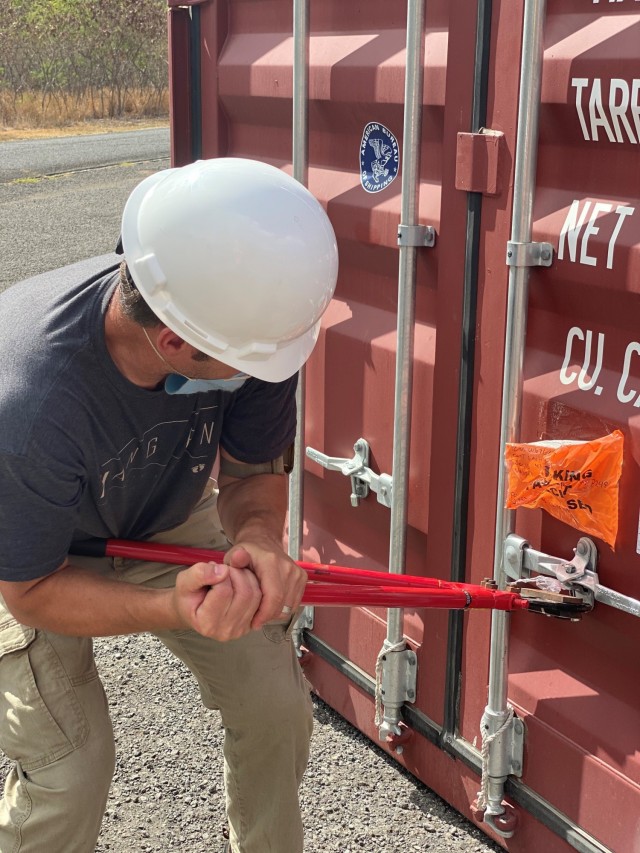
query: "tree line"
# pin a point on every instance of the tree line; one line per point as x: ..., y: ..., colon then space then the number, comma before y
x: 101, y: 58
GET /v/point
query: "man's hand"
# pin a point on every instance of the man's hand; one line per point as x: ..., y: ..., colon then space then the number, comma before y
x: 281, y: 581
x: 217, y: 601
x: 252, y: 511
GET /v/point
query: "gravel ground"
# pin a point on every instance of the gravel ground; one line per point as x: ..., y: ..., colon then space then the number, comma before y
x: 167, y: 794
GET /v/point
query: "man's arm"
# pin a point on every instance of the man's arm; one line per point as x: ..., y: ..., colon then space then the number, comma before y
x: 217, y: 601
x: 252, y: 511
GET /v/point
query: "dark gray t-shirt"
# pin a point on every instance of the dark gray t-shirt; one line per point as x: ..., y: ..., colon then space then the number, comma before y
x: 85, y: 453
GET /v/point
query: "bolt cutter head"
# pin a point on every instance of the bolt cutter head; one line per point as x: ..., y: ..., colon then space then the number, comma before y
x: 567, y: 603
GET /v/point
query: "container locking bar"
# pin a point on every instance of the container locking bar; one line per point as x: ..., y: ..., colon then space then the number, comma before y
x: 529, y: 254
x: 580, y: 572
x: 362, y: 477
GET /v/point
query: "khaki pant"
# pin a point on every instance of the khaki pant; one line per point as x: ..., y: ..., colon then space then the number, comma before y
x: 55, y: 725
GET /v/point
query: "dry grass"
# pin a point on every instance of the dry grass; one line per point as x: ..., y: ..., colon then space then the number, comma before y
x: 34, y: 114
x: 81, y: 128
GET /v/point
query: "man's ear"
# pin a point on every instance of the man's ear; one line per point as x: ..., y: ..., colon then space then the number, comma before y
x: 170, y: 344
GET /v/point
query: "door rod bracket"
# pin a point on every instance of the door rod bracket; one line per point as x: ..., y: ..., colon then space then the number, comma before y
x: 396, y: 683
x: 421, y: 236
x: 529, y: 254
x: 362, y: 477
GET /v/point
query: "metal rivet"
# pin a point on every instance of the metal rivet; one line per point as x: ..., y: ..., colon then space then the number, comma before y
x: 512, y: 555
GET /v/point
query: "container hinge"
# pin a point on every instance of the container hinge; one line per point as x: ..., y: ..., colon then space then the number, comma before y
x: 422, y: 236
x: 397, y: 683
x: 529, y: 254
x: 362, y: 477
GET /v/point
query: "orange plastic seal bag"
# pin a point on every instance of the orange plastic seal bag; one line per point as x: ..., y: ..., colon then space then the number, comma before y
x: 575, y: 481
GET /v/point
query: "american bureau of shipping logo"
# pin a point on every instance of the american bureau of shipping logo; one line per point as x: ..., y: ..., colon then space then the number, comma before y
x: 379, y: 157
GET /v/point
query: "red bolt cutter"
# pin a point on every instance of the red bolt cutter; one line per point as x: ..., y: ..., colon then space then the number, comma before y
x: 340, y: 586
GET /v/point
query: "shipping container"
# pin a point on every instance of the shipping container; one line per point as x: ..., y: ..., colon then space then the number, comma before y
x: 480, y: 163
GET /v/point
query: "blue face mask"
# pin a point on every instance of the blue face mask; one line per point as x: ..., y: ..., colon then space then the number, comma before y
x: 176, y: 384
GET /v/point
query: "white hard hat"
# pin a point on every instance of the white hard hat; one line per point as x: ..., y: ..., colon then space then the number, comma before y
x: 237, y: 258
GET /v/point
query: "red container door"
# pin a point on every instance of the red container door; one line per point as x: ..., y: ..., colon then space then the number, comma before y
x: 574, y: 685
x: 577, y: 685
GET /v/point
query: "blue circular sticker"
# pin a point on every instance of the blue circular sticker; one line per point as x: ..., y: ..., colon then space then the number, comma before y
x: 379, y: 157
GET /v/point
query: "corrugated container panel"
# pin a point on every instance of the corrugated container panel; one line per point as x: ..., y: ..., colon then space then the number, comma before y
x: 581, y: 682
x: 575, y: 685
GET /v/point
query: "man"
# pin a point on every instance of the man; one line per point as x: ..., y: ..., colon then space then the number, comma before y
x: 117, y: 393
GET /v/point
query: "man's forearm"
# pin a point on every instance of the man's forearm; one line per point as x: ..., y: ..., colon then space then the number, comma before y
x: 77, y: 602
x: 253, y: 507
x: 252, y: 512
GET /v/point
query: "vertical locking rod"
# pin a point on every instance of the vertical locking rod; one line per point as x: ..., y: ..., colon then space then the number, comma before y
x: 497, y: 712
x: 300, y: 173
x: 394, y: 643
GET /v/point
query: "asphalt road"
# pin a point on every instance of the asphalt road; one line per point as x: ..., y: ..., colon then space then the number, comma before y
x: 63, y: 208
x: 35, y: 157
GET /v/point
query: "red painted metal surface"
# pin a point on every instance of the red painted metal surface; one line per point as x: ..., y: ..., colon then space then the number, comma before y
x: 581, y: 375
x: 576, y: 686
x: 180, y: 86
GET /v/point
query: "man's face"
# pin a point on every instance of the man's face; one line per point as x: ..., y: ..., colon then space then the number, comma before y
x: 184, y: 359
x: 203, y: 366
